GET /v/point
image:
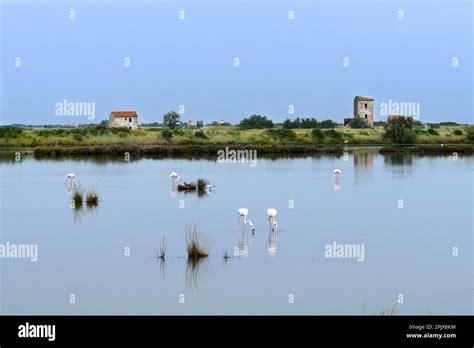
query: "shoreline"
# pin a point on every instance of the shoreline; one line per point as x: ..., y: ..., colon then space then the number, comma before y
x: 211, y: 150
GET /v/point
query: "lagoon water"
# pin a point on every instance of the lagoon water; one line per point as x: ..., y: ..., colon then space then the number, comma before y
x: 407, y: 251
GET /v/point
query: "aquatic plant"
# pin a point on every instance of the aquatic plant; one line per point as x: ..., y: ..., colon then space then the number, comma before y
x: 162, y: 253
x: 92, y: 199
x: 201, y: 185
x: 390, y: 311
x: 225, y: 254
x: 77, y: 197
x: 196, y: 244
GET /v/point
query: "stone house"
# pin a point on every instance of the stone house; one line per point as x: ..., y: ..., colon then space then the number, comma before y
x: 127, y: 119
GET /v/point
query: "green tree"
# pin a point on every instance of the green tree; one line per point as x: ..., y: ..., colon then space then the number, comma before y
x: 256, y: 121
x: 326, y: 124
x: 399, y: 129
x: 171, y: 119
x: 359, y: 122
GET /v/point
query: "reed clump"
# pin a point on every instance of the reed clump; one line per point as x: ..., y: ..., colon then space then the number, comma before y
x: 196, y: 245
x: 77, y: 198
x: 92, y: 199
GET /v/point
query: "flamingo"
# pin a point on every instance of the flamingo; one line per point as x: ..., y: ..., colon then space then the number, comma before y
x: 245, y: 212
x: 70, y: 181
x: 272, y: 213
x: 174, y: 176
x: 336, y: 176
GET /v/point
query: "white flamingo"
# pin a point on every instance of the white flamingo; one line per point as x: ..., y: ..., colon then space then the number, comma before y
x: 245, y: 212
x: 174, y: 176
x: 70, y: 181
x: 336, y: 176
x: 272, y: 213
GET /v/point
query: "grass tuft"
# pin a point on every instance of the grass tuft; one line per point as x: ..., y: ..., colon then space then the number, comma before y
x: 92, y: 199
x: 196, y: 244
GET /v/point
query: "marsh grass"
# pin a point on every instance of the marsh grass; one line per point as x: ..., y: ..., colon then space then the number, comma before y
x: 389, y: 311
x: 92, y: 199
x: 225, y: 255
x: 201, y: 185
x: 162, y: 253
x: 77, y: 198
x: 196, y: 245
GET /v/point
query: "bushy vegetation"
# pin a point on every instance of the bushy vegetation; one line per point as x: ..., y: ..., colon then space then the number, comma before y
x: 400, y: 130
x: 359, y: 122
x: 331, y: 133
x: 256, y: 122
x: 432, y: 131
x: 458, y: 132
x: 300, y: 123
x: 470, y: 134
x: 318, y: 134
x: 281, y: 134
x: 200, y: 134
x: 166, y: 134
x: 10, y: 132
x: 308, y: 123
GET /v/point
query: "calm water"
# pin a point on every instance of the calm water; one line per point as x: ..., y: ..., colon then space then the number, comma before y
x: 407, y: 251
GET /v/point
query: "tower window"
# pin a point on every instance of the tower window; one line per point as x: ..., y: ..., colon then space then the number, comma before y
x: 366, y: 105
x: 365, y: 116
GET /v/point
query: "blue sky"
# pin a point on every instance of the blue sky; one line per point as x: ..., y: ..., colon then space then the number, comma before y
x: 190, y: 62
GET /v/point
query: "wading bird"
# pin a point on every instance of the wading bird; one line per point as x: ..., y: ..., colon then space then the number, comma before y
x: 245, y: 212
x: 174, y: 177
x: 272, y: 213
x: 70, y: 181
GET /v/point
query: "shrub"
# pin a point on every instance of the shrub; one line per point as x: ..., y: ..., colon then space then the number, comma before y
x: 331, y: 133
x: 179, y: 132
x: 256, y: 122
x: 282, y: 134
x: 432, y: 131
x: 359, y: 122
x: 470, y: 133
x: 318, y: 134
x: 166, y: 134
x: 77, y: 136
x: 300, y: 123
x: 200, y: 134
x: 399, y: 130
x: 10, y: 132
x: 326, y: 124
x: 458, y: 132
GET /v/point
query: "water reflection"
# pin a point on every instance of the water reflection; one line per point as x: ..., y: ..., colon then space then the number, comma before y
x: 196, y: 269
x: 363, y: 166
x: 243, y: 244
x: 272, y: 243
x: 399, y: 164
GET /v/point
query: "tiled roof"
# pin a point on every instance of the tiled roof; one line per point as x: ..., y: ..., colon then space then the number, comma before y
x: 124, y: 114
x: 363, y: 99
